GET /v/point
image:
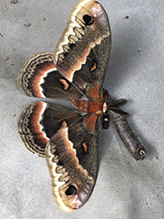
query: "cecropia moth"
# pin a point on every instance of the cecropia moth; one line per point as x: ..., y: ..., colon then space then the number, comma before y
x: 69, y: 138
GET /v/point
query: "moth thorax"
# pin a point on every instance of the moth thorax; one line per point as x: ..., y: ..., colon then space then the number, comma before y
x: 105, y: 107
x: 80, y: 104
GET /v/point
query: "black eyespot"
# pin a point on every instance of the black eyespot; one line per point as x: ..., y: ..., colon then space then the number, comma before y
x: 88, y: 19
x: 71, y: 45
x: 71, y: 190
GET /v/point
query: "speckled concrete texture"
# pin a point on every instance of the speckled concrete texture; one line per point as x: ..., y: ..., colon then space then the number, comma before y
x: 125, y: 188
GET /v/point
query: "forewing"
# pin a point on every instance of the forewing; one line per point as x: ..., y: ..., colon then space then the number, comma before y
x: 72, y: 158
x: 82, y: 52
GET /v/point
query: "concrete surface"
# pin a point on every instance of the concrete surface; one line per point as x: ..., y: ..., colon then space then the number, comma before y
x: 125, y: 189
